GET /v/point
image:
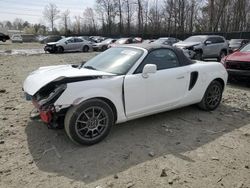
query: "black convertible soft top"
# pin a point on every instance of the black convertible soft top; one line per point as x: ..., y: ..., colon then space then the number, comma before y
x: 184, y: 60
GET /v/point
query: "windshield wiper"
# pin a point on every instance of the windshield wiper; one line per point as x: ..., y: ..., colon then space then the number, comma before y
x: 89, y: 67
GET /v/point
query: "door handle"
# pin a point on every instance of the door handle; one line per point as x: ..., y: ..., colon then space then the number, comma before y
x: 181, y: 77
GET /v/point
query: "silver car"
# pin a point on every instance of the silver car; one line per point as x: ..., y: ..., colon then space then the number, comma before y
x: 70, y: 44
x: 102, y: 46
x: 204, y: 46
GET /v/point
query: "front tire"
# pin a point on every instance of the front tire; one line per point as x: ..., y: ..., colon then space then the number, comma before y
x: 60, y: 49
x: 198, y: 56
x: 4, y: 40
x: 212, y: 96
x: 89, y: 122
x: 85, y: 49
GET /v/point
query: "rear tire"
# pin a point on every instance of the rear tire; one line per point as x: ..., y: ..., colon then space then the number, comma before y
x: 89, y: 122
x: 212, y: 96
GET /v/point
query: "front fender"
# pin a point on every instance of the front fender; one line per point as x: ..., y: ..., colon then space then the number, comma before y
x: 109, y: 88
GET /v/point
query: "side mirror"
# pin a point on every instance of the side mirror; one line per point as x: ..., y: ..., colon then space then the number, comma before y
x: 208, y: 42
x: 66, y: 42
x: 148, y: 69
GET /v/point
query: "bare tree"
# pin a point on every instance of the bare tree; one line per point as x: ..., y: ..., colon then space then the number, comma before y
x: 90, y: 20
x: 65, y: 19
x: 51, y: 14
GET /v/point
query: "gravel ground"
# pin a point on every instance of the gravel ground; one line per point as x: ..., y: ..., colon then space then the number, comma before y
x: 181, y: 148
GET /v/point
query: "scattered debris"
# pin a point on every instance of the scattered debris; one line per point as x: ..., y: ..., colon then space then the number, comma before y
x: 110, y: 184
x: 2, y: 90
x: 163, y: 173
x: 178, y: 143
x: 215, y: 158
x: 130, y: 184
x: 116, y: 176
x: 246, y: 166
x: 1, y: 141
x: 151, y: 154
x: 199, y: 120
x: 174, y: 178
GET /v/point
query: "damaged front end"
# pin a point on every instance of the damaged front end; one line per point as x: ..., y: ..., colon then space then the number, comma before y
x: 44, y: 101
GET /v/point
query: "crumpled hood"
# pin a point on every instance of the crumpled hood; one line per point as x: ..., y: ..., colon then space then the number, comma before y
x: 52, y: 43
x: 186, y: 44
x: 44, y: 75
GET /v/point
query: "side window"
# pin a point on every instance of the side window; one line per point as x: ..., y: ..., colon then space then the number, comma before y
x: 78, y: 40
x: 212, y: 39
x: 219, y: 40
x: 70, y: 40
x: 162, y: 58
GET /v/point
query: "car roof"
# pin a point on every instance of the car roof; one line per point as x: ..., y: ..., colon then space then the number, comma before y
x: 184, y: 60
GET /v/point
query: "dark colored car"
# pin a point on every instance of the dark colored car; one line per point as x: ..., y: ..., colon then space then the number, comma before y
x: 4, y: 37
x: 51, y: 38
x: 235, y: 44
x: 238, y: 63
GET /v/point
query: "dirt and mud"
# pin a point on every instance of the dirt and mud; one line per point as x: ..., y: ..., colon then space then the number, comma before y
x: 181, y: 148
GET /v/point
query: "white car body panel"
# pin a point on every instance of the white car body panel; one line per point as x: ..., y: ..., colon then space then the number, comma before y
x: 132, y: 94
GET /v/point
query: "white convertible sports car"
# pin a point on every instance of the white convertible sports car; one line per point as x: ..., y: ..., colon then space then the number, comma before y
x: 121, y: 84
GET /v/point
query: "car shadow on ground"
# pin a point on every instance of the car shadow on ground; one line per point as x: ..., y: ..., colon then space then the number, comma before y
x: 130, y: 143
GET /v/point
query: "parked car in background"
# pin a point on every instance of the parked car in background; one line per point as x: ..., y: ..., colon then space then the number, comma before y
x: 102, y: 46
x: 4, y: 37
x: 148, y: 41
x: 121, y: 84
x: 69, y: 44
x: 121, y: 41
x: 51, y: 38
x: 88, y: 39
x: 137, y: 40
x: 166, y: 41
x: 238, y: 63
x: 204, y: 46
x: 235, y: 44
x: 16, y: 38
x: 98, y: 39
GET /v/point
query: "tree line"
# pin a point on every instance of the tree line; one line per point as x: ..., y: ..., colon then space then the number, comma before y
x: 145, y: 17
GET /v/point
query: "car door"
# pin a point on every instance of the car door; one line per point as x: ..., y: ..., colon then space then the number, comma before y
x: 210, y: 46
x: 78, y: 44
x: 69, y: 45
x: 160, y: 90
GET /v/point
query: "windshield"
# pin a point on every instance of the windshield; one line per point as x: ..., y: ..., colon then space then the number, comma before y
x: 63, y: 40
x: 107, y: 41
x: 161, y: 41
x: 235, y: 41
x: 115, y: 60
x: 121, y: 41
x: 195, y: 39
x: 245, y: 48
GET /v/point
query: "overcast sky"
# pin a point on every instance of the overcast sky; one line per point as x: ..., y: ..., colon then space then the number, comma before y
x: 31, y: 10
